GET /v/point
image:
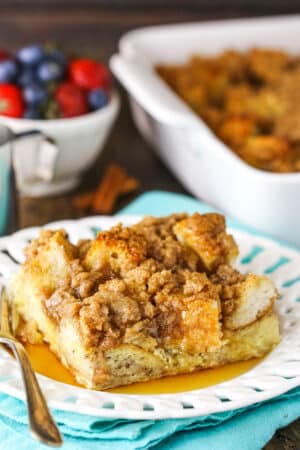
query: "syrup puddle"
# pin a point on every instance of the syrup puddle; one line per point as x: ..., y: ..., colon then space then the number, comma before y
x: 46, y: 363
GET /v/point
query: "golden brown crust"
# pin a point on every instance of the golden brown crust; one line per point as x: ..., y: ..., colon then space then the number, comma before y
x: 206, y: 235
x: 267, y: 65
x: 120, y: 248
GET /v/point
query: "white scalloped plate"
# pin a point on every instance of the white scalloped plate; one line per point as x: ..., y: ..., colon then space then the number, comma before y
x: 276, y: 374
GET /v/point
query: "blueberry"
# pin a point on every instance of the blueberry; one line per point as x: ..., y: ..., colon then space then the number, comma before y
x: 57, y: 56
x: 49, y: 70
x: 34, y: 93
x: 30, y: 55
x: 97, y: 99
x: 32, y: 113
x: 26, y: 77
x: 8, y: 71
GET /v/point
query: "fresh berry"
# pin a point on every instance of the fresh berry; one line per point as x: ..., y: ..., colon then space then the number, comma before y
x: 8, y: 71
x: 89, y: 74
x: 56, y: 55
x: 30, y: 55
x: 38, y: 82
x: 11, y: 101
x: 50, y: 70
x: 26, y: 77
x: 4, y: 55
x: 97, y: 99
x: 32, y: 113
x: 71, y: 100
x: 34, y: 93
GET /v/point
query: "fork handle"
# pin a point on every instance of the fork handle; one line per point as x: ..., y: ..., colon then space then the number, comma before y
x: 41, y: 422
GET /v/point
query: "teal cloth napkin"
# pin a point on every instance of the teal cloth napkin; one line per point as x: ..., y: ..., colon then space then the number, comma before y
x: 243, y: 429
x: 4, y: 193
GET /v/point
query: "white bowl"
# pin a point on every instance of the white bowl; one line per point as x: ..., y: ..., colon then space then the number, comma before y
x: 210, y: 170
x: 79, y: 139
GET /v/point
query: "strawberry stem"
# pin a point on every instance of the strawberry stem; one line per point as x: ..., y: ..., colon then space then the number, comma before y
x: 3, y: 104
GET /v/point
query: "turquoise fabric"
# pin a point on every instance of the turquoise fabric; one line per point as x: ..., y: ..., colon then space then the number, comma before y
x: 4, y: 193
x: 246, y: 429
x: 243, y: 429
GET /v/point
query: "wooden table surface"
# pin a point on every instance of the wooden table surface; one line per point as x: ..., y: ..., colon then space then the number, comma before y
x: 97, y: 30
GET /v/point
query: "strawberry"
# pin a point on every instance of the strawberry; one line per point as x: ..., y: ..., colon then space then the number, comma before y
x: 4, y: 55
x: 89, y: 74
x: 11, y: 101
x: 71, y: 100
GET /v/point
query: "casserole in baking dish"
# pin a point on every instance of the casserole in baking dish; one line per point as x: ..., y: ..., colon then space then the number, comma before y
x: 204, y: 164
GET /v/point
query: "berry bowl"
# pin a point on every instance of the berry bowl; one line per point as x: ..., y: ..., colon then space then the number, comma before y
x: 79, y: 140
x: 68, y: 99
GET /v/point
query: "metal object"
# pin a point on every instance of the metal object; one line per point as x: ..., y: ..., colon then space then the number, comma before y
x: 8, y: 192
x: 41, y: 422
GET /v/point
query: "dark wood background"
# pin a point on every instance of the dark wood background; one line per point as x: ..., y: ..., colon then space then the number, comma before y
x: 95, y: 26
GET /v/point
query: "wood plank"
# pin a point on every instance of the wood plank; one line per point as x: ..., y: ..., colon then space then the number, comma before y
x: 133, y: 5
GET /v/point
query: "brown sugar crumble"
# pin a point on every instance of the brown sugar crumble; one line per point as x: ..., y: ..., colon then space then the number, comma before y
x: 138, y: 275
x: 251, y: 100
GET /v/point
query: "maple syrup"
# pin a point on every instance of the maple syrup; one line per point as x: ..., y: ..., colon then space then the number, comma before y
x: 46, y: 363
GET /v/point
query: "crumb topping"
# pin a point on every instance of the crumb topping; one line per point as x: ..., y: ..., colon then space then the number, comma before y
x: 227, y: 279
x: 164, y: 282
x: 249, y: 99
x: 206, y: 235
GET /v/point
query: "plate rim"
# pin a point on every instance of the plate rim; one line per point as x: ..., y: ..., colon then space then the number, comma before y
x: 125, y: 400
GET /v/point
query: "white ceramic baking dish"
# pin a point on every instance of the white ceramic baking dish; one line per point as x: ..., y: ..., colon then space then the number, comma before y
x: 267, y: 201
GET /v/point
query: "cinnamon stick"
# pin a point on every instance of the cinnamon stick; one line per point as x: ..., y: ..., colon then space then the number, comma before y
x: 116, y: 182
x: 109, y: 189
x: 131, y: 184
x: 83, y: 201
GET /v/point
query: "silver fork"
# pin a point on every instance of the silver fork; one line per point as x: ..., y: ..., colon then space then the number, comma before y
x: 41, y: 422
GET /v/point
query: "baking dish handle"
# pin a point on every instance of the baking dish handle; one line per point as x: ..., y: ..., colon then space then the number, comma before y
x: 151, y: 92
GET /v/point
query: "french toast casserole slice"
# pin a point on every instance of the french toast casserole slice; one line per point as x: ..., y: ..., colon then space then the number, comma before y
x: 142, y: 302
